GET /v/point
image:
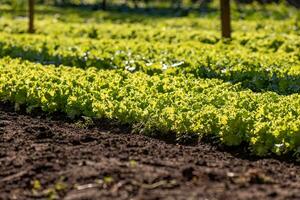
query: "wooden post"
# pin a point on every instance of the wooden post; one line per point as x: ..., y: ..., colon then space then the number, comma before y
x: 225, y: 18
x: 31, y: 16
x: 104, y: 4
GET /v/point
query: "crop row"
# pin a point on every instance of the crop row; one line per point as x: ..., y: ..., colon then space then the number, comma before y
x: 270, y: 65
x: 97, y: 24
x: 177, y: 106
x: 168, y: 31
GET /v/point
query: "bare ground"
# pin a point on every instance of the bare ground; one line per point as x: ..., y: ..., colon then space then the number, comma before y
x: 44, y: 158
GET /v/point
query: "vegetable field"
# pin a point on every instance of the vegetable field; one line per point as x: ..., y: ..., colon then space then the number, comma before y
x: 167, y: 77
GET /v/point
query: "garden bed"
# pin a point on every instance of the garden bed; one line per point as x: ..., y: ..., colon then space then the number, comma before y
x: 43, y: 157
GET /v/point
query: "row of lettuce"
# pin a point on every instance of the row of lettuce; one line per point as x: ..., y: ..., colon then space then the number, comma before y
x: 261, y: 62
x: 157, y: 29
x: 176, y: 106
x: 168, y: 31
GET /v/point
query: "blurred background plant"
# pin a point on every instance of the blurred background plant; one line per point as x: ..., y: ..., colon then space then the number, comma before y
x: 17, y: 4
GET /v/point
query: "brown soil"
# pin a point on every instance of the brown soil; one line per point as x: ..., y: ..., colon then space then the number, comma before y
x: 44, y: 158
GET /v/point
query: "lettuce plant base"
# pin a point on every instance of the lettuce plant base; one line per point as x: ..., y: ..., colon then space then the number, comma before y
x: 54, y: 158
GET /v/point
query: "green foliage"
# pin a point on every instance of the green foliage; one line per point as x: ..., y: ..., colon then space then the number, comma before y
x: 263, y: 56
x: 180, y: 105
x: 166, y: 77
x: 18, y: 4
x: 260, y: 62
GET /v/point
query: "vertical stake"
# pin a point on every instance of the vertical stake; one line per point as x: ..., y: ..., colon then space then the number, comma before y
x: 225, y: 18
x: 104, y: 4
x: 31, y: 16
